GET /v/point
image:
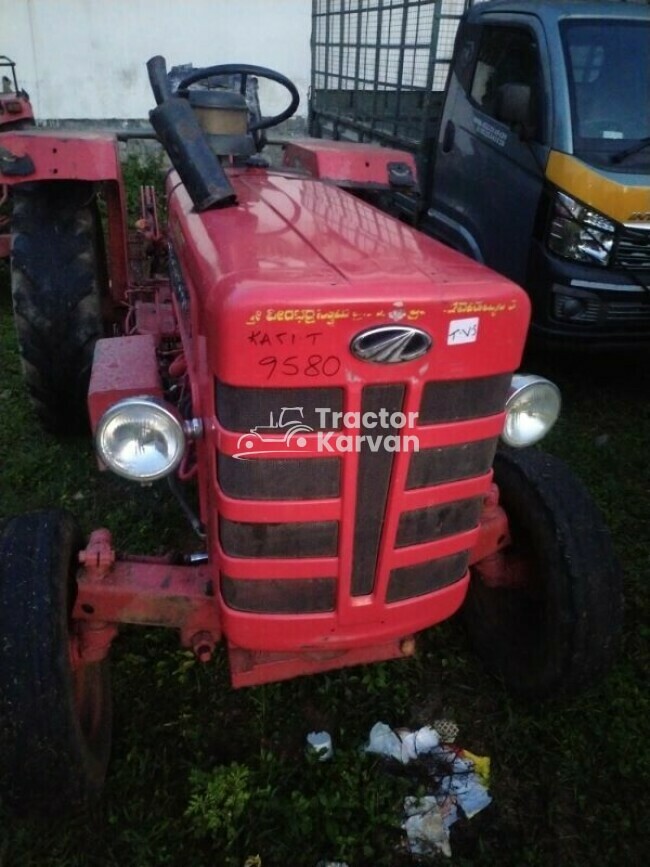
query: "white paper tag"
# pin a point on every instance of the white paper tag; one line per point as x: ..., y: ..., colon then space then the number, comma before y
x: 462, y: 331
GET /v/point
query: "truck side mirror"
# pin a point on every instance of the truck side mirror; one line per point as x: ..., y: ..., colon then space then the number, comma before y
x: 514, y: 104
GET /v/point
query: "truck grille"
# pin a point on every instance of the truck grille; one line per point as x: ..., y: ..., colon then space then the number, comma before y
x: 633, y: 313
x: 343, y: 539
x: 633, y: 250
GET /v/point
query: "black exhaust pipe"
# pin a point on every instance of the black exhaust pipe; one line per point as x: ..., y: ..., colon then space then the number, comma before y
x: 157, y: 69
x: 180, y: 134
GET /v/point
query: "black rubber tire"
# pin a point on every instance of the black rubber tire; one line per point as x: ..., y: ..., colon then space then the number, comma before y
x: 58, y: 278
x: 559, y: 633
x: 53, y: 749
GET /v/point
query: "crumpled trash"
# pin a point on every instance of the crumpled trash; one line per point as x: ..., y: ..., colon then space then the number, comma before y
x: 462, y: 782
x: 481, y: 766
x: 321, y: 744
x: 401, y: 744
x: 425, y: 826
x: 459, y: 781
x: 447, y: 729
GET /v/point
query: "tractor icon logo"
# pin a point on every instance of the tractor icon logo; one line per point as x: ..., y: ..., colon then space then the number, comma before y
x: 289, y: 425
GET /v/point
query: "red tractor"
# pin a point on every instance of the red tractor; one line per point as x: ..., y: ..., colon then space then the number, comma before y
x: 411, y: 491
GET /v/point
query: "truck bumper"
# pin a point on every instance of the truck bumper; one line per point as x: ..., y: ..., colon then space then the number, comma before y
x: 586, y: 307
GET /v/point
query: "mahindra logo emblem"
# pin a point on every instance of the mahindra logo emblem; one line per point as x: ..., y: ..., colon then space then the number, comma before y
x: 390, y: 344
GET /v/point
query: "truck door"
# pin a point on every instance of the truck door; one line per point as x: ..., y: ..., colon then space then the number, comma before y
x: 488, y: 172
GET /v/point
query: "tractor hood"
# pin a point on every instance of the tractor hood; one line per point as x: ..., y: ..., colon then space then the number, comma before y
x: 299, y: 264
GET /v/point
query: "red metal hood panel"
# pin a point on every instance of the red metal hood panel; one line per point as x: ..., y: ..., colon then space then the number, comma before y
x: 297, y: 256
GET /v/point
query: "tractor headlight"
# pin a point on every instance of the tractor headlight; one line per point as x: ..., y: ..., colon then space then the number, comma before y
x: 580, y: 233
x: 140, y: 438
x: 532, y: 408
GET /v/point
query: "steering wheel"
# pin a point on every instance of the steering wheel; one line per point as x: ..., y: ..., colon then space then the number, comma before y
x: 245, y: 70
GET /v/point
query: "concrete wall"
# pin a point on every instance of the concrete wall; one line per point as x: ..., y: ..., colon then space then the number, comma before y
x: 86, y: 58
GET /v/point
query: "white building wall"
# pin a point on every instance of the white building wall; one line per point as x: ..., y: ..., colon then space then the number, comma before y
x: 86, y: 58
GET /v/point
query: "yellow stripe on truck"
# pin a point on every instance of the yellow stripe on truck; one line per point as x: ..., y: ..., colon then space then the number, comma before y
x: 620, y: 201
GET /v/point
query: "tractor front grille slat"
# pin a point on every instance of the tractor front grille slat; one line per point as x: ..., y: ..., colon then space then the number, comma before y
x: 436, y: 522
x: 450, y: 463
x: 372, y: 489
x: 279, y: 478
x: 279, y: 595
x: 460, y: 400
x: 242, y: 409
x: 409, y: 581
x: 288, y: 539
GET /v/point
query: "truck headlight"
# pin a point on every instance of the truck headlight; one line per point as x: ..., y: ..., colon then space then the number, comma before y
x: 580, y: 233
x: 532, y: 408
x: 140, y: 438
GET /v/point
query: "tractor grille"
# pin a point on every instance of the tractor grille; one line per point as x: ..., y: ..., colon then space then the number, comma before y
x: 436, y: 522
x: 450, y: 463
x: 280, y: 479
x: 280, y: 596
x: 372, y: 491
x: 426, y: 577
x: 369, y: 525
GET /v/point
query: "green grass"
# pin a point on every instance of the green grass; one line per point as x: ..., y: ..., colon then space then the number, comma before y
x: 205, y: 775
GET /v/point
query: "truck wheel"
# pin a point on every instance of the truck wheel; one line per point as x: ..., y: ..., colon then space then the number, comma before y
x: 58, y: 278
x: 546, y: 612
x: 55, y: 722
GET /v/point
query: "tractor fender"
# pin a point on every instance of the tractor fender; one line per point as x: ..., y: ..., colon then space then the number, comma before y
x: 34, y: 156
x: 122, y: 367
x: 59, y: 156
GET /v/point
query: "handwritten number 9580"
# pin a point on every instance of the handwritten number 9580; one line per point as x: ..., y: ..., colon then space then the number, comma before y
x: 315, y: 365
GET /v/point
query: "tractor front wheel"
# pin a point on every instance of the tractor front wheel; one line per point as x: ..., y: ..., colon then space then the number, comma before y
x: 55, y: 720
x: 545, y: 613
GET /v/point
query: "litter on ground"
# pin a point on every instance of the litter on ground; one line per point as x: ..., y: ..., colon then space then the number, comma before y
x: 320, y: 743
x: 458, y: 784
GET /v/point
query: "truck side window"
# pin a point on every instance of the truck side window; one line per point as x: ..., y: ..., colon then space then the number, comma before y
x: 507, y: 56
x: 465, y: 52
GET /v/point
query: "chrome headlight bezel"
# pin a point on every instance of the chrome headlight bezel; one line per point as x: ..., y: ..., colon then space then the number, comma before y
x: 535, y: 401
x: 580, y: 233
x: 168, y: 424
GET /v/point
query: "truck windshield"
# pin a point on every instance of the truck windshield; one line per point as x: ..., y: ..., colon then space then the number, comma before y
x: 608, y: 65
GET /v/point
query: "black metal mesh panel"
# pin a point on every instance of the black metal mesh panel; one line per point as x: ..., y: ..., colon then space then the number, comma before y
x: 279, y: 479
x: 436, y: 522
x: 279, y: 595
x: 240, y: 408
x: 450, y: 463
x: 382, y: 64
x: 458, y: 400
x: 289, y: 539
x: 426, y: 577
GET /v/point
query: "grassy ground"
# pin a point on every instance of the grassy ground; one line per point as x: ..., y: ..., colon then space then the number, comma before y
x: 204, y: 775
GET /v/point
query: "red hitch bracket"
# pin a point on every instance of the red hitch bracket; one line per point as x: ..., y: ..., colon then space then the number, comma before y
x: 144, y: 590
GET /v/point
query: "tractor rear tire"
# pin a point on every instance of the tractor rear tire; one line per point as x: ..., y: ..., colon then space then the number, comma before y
x: 55, y: 722
x: 556, y: 629
x: 58, y: 277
